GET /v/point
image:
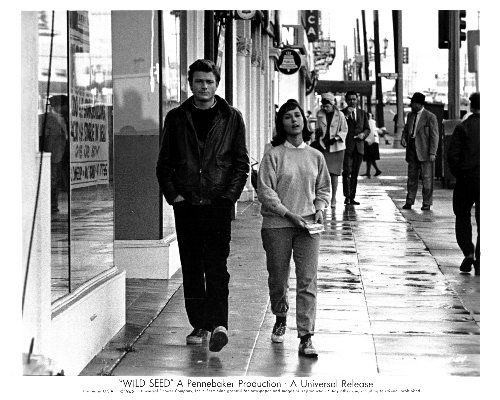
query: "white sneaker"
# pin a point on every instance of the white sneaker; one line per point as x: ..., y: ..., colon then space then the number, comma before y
x: 278, y: 335
x: 197, y: 336
x: 307, y: 349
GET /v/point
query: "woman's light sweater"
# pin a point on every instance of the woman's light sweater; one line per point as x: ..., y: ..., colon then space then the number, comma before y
x: 292, y: 179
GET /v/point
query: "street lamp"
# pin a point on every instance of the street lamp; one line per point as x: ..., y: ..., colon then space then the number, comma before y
x: 372, y: 45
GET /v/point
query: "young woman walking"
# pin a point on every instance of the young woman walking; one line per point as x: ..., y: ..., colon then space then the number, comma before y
x: 294, y: 190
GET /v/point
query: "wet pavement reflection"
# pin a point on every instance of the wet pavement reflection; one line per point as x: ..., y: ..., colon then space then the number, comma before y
x: 390, y: 302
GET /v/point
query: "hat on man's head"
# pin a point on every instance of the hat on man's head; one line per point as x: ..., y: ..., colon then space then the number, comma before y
x: 418, y: 98
x: 328, y: 97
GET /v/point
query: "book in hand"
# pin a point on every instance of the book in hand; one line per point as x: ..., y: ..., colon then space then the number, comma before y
x: 315, y: 228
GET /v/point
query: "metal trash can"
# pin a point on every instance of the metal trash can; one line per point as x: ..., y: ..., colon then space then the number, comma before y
x: 448, y: 127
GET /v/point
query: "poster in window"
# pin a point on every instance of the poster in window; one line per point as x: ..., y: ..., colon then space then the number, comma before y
x: 89, y: 136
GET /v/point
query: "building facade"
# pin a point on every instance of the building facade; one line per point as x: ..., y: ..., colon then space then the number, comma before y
x: 96, y: 87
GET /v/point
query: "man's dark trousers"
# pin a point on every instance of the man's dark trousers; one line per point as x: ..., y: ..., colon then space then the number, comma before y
x: 465, y: 195
x: 352, y: 164
x: 203, y: 235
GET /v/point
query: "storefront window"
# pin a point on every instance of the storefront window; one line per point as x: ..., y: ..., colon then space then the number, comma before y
x: 78, y: 134
x: 171, y: 92
x: 90, y: 145
x: 53, y: 137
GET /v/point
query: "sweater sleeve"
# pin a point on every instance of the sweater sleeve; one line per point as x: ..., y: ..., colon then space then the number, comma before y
x: 343, y: 127
x: 266, y: 185
x: 323, y: 186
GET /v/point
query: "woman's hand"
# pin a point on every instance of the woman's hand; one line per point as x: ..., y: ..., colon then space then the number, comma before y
x: 297, y: 220
x: 319, y: 217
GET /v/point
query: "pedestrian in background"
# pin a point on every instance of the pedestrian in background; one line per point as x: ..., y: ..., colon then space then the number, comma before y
x: 421, y: 138
x: 332, y: 132
x: 202, y: 169
x: 372, y: 152
x: 358, y: 130
x: 463, y: 160
x: 294, y: 190
x: 54, y: 131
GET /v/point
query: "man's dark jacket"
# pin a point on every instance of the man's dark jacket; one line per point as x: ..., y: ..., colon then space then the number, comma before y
x: 223, y: 169
x: 354, y: 128
x: 463, y: 153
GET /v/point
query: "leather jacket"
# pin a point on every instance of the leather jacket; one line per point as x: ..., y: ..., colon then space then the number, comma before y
x: 223, y: 170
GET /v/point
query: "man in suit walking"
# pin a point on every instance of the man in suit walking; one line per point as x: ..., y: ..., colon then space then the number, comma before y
x: 463, y: 160
x: 421, y: 138
x: 357, y: 131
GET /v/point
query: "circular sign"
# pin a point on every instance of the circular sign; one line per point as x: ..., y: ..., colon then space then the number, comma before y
x: 289, y: 62
x: 245, y: 14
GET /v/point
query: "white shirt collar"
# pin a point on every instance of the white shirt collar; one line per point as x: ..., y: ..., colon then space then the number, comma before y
x: 288, y: 145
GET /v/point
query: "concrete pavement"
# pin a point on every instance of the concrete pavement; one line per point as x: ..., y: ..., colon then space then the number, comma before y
x: 391, y: 301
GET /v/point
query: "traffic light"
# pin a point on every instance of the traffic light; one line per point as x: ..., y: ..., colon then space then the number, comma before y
x: 444, y: 29
x: 463, y: 25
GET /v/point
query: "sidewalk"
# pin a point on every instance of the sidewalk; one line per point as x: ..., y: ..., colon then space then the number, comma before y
x: 390, y: 302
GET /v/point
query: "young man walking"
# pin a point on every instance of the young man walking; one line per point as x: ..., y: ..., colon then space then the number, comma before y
x: 358, y: 130
x: 463, y: 160
x: 202, y: 169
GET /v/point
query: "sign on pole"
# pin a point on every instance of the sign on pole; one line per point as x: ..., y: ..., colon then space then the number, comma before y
x: 289, y: 62
x: 388, y: 75
x: 312, y: 25
x: 406, y: 55
x: 472, y: 49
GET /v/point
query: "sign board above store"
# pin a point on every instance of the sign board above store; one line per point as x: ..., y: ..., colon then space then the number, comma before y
x: 312, y: 25
x: 289, y: 61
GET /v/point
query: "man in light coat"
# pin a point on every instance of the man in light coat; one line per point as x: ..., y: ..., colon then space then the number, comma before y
x: 421, y: 138
x: 332, y: 126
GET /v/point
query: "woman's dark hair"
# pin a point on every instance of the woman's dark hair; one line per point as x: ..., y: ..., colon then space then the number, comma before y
x: 280, y: 136
x: 203, y: 66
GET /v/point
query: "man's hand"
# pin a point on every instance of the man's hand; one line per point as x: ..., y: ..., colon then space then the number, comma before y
x: 297, y: 220
x: 319, y: 217
x: 432, y: 157
x: 179, y: 198
x: 403, y: 142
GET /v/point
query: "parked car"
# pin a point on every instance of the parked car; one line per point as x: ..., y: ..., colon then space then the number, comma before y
x: 392, y: 98
x: 441, y: 98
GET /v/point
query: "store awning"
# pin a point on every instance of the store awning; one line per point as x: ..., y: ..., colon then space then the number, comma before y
x: 364, y: 88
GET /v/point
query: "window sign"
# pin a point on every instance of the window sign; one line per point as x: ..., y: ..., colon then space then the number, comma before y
x: 89, y: 136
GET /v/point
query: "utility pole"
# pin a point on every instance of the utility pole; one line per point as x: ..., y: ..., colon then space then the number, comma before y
x: 454, y: 66
x: 359, y: 63
x: 209, y: 36
x: 367, y: 60
x: 379, y: 107
x: 228, y: 62
x: 397, y: 23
